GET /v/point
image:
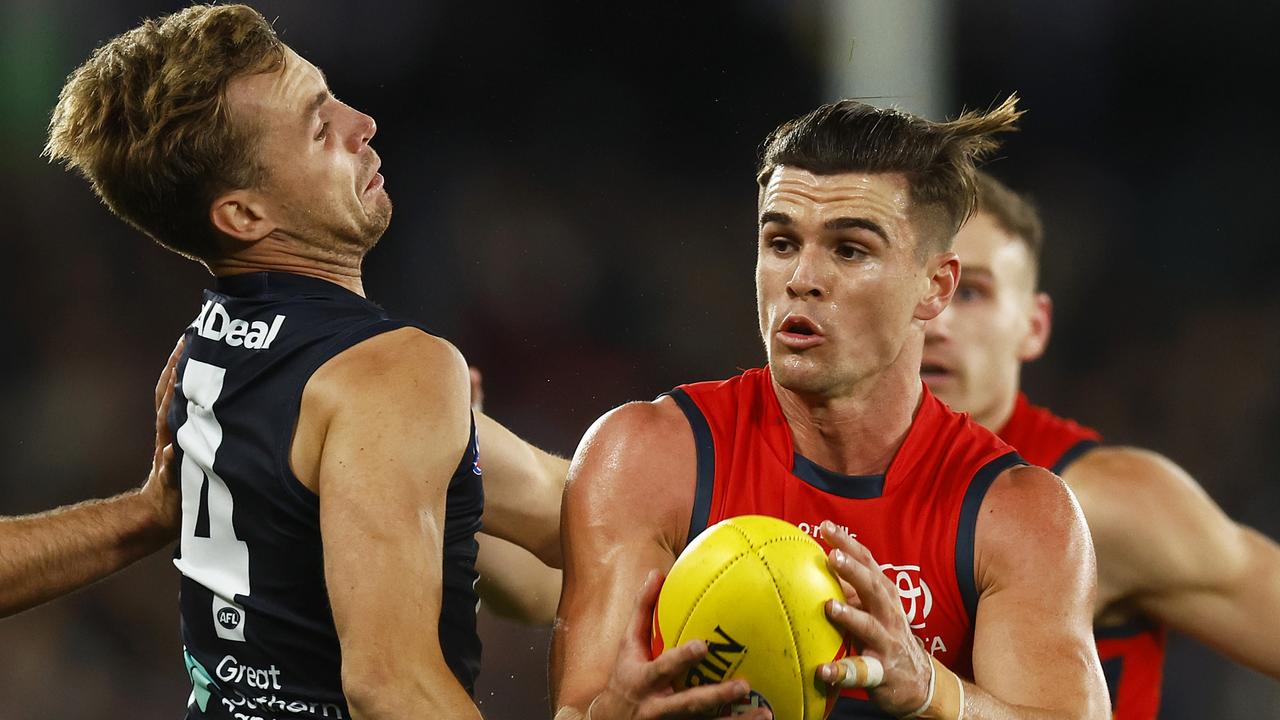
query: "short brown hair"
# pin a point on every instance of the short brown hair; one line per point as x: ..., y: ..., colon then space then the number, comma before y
x: 146, y: 121
x: 1013, y: 213
x: 937, y: 157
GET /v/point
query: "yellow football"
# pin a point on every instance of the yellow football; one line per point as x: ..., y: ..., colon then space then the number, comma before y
x: 754, y: 588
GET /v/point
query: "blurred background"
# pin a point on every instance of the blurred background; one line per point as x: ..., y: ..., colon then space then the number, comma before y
x: 575, y: 210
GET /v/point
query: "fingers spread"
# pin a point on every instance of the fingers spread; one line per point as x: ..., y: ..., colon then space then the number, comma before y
x: 850, y: 595
x: 840, y: 539
x: 861, y: 625
x: 674, y: 663
x: 697, y: 701
x: 875, y: 592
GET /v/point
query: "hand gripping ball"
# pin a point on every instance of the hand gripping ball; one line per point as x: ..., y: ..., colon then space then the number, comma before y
x: 754, y: 588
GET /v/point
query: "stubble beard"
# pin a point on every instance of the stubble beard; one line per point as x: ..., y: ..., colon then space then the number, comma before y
x: 379, y: 220
x: 356, y: 241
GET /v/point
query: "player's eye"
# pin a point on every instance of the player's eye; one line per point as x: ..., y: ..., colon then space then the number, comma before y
x: 968, y: 293
x: 779, y: 245
x: 323, y: 132
x: 850, y: 251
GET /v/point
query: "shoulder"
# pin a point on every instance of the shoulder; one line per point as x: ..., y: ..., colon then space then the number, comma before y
x: 400, y: 350
x: 636, y: 438
x: 403, y: 367
x: 1024, y: 496
x: 1149, y: 517
x: 637, y: 426
x: 1030, y: 518
x: 1124, y: 468
x: 638, y: 459
x: 1118, y: 485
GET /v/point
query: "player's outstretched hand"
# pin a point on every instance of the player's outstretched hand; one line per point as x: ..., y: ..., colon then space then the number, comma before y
x: 162, y: 487
x: 879, y: 629
x: 641, y: 689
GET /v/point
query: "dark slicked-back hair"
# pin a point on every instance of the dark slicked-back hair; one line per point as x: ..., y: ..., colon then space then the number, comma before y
x: 937, y: 158
x: 146, y: 120
x: 1013, y: 213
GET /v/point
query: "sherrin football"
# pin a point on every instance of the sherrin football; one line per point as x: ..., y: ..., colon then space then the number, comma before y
x: 754, y: 588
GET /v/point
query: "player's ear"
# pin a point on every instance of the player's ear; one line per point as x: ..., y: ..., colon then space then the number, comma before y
x: 241, y: 215
x: 944, y: 275
x: 1040, y: 322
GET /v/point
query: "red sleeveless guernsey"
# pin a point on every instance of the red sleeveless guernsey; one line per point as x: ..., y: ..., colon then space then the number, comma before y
x: 1132, y: 654
x: 917, y: 519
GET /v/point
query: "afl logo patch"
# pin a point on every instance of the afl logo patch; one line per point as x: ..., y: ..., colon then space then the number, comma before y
x: 229, y: 618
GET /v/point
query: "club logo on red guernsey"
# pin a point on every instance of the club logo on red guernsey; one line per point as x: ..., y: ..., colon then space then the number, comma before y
x: 917, y: 600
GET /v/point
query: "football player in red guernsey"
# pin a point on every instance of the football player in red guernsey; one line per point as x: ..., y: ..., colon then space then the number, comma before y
x: 970, y: 574
x: 1167, y: 555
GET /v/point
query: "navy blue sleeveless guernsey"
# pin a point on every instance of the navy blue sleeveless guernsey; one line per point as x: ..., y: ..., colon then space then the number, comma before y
x: 256, y: 624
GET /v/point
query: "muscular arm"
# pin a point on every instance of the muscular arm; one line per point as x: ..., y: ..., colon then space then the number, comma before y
x: 1033, y: 650
x: 626, y: 513
x: 389, y: 451
x: 50, y: 554
x: 523, y: 486
x: 630, y: 488
x: 1168, y: 551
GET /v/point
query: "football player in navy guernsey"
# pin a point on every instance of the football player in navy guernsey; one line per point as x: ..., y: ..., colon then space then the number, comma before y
x: 50, y: 554
x: 330, y: 482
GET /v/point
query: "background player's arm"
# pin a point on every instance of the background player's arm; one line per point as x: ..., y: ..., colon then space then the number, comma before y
x: 514, y: 584
x: 50, y: 554
x: 389, y: 451
x: 519, y: 575
x: 626, y: 510
x: 522, y: 486
x: 1167, y: 550
x: 1033, y: 651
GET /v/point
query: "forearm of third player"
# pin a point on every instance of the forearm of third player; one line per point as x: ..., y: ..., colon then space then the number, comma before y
x: 1238, y: 613
x: 514, y: 584
x: 52, y: 553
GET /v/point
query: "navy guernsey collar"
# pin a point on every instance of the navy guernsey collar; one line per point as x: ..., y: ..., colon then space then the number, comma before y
x: 274, y: 282
x: 853, y: 487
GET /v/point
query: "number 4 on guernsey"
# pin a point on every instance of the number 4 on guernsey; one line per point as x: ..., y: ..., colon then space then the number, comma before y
x: 217, y: 560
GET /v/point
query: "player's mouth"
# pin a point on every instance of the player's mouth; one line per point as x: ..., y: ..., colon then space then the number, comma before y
x: 376, y: 181
x: 798, y: 332
x: 932, y: 372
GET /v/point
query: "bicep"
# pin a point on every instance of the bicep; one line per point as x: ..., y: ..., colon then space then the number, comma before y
x: 1033, y: 642
x: 388, y: 456
x: 1158, y: 534
x: 620, y: 512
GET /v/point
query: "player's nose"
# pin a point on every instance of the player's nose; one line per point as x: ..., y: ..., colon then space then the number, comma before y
x: 363, y: 128
x: 807, y: 276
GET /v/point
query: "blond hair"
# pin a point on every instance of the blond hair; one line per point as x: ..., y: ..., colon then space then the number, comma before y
x: 1012, y: 212
x: 146, y: 121
x: 936, y: 157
